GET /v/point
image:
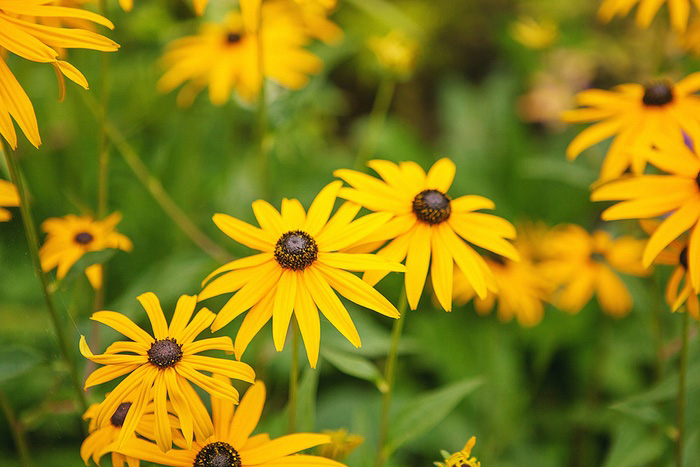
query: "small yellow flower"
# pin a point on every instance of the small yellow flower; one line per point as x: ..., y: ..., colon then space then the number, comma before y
x: 71, y: 237
x: 8, y: 198
x: 395, y: 52
x: 341, y: 445
x: 232, y: 443
x: 161, y: 367
x: 639, y: 117
x: 679, y: 11
x: 462, y: 458
x: 534, y: 34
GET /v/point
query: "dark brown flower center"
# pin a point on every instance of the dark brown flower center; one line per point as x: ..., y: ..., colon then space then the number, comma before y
x: 432, y: 206
x: 165, y: 353
x: 683, y: 258
x: 84, y: 238
x: 218, y: 454
x: 658, y: 94
x: 120, y: 414
x: 233, y: 38
x: 296, y: 250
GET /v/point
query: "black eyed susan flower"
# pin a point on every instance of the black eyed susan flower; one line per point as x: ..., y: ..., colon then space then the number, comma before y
x: 71, y: 237
x: 462, y: 458
x: 9, y: 197
x: 298, y: 269
x: 638, y: 117
x: 232, y: 443
x: 22, y: 34
x: 161, y: 367
x: 584, y: 264
x: 679, y: 11
x: 395, y: 52
x: 426, y: 221
x: 342, y: 444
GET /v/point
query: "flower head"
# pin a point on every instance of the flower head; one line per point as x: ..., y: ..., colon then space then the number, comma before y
x: 71, y: 237
x: 426, y: 221
x: 341, y: 445
x: 395, y: 52
x: 679, y: 11
x: 298, y: 269
x: 8, y: 198
x: 462, y: 458
x: 161, y: 366
x: 638, y: 117
x: 232, y: 444
x: 534, y: 34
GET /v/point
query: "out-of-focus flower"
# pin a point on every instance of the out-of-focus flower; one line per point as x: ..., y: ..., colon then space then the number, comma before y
x: 584, y: 264
x: 679, y: 11
x: 638, y: 117
x: 71, y: 237
x: 8, y: 198
x: 341, y: 446
x: 462, y: 458
x: 534, y: 34
x: 314, y: 16
x: 225, y: 57
x: 426, y: 221
x: 23, y: 34
x: 395, y: 52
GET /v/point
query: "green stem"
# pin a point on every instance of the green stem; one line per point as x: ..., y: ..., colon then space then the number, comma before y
x: 262, y: 120
x: 390, y: 377
x: 17, y: 432
x: 103, y: 148
x: 377, y: 118
x: 294, y: 377
x: 681, y: 401
x: 33, y: 240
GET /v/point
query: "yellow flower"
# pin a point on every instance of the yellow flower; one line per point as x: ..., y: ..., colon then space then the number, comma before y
x: 462, y: 458
x: 638, y: 117
x: 426, y: 221
x: 395, y: 52
x: 534, y: 34
x: 70, y: 237
x: 297, y: 271
x: 8, y: 198
x: 224, y: 56
x: 231, y: 443
x: 22, y: 33
x: 679, y: 11
x: 584, y: 264
x: 161, y: 367
x: 341, y: 445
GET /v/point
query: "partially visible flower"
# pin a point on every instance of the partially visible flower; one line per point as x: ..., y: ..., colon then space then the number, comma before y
x: 9, y: 197
x: 341, y: 445
x: 231, y: 443
x: 534, y: 34
x: 584, y: 265
x: 24, y: 35
x: 70, y: 237
x: 395, y: 52
x: 639, y: 117
x: 161, y: 368
x: 426, y: 222
x: 462, y: 458
x: 679, y: 11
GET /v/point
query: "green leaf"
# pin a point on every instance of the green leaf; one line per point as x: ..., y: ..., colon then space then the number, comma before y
x: 356, y: 366
x: 16, y: 361
x: 421, y: 415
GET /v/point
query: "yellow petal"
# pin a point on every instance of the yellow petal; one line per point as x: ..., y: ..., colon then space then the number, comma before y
x: 417, y: 263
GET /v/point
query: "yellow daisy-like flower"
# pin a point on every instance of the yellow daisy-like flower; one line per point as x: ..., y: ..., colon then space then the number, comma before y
x: 534, y: 34
x: 298, y: 270
x: 225, y: 57
x: 341, y: 445
x: 584, y: 264
x: 679, y: 11
x: 9, y: 197
x: 638, y: 117
x: 462, y: 458
x: 161, y: 367
x: 395, y: 52
x: 231, y: 443
x: 22, y: 33
x: 71, y: 237
x: 425, y: 222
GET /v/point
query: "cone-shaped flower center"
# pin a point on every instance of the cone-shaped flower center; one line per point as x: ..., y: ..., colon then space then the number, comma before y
x: 296, y: 250
x: 218, y: 454
x: 233, y: 38
x: 165, y: 353
x: 683, y: 258
x: 658, y: 94
x: 432, y: 206
x: 84, y: 238
x: 120, y: 414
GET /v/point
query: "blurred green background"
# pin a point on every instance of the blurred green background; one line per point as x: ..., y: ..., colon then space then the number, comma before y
x: 577, y: 390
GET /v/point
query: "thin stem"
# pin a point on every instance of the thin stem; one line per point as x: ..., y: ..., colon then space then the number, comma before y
x: 103, y: 148
x: 294, y: 377
x: 17, y: 432
x: 680, y: 403
x: 377, y: 118
x: 262, y: 120
x: 33, y: 240
x: 155, y: 188
x: 390, y: 377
